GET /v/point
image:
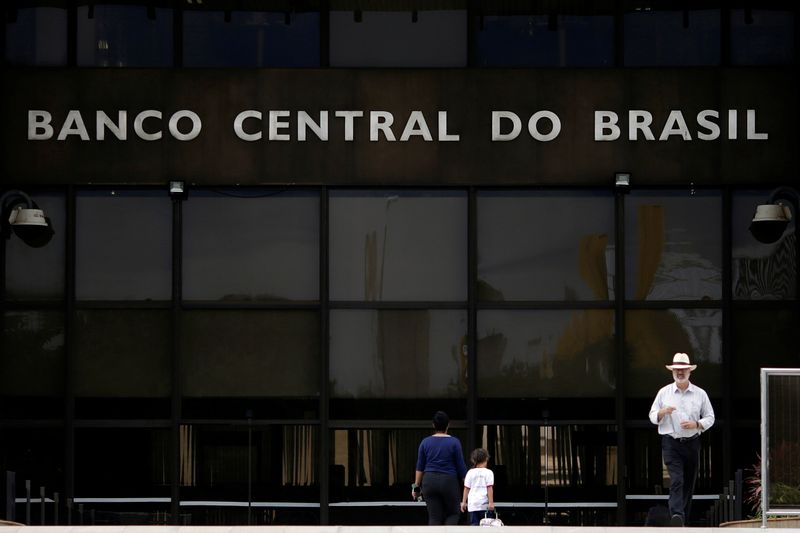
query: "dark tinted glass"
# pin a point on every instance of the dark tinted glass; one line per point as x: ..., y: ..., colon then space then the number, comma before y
x: 35, y: 454
x: 32, y: 358
x: 38, y: 273
x: 392, y: 245
x: 541, y: 354
x: 673, y: 246
x: 250, y: 39
x: 762, y: 37
x: 37, y: 36
x: 653, y: 337
x: 122, y: 353
x: 124, y: 245
x: 544, y: 41
x: 398, y: 354
x: 255, y: 245
x: 655, y: 37
x: 760, y: 271
x: 525, y: 253
x: 250, y: 353
x: 124, y: 36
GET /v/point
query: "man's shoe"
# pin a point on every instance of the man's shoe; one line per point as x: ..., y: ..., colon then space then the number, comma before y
x: 676, y: 521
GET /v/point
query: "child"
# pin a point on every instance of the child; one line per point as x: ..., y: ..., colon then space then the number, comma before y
x: 478, y: 487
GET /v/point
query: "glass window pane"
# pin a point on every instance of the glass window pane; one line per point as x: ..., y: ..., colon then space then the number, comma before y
x: 263, y: 246
x: 124, y: 245
x: 124, y: 36
x: 250, y: 353
x: 652, y: 337
x: 762, y: 37
x: 395, y: 39
x: 524, y: 254
x: 398, y: 246
x: 544, y: 41
x: 34, y: 454
x: 122, y: 353
x: 114, y: 462
x: 760, y: 271
x: 662, y: 38
x: 32, y: 360
x: 38, y: 37
x: 673, y: 246
x: 251, y: 39
x: 537, y: 354
x: 38, y: 273
x: 398, y: 354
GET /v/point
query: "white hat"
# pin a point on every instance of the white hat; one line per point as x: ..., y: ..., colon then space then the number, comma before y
x: 679, y: 361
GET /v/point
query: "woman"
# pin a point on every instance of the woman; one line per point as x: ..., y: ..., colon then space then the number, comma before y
x: 440, y: 469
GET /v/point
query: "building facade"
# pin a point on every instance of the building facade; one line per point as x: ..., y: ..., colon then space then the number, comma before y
x: 286, y: 233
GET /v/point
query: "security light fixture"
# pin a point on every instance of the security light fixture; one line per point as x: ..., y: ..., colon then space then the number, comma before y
x: 622, y: 179
x: 177, y: 188
x: 771, y: 219
x: 22, y: 217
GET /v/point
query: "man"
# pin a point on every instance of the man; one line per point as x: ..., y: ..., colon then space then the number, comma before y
x: 682, y: 412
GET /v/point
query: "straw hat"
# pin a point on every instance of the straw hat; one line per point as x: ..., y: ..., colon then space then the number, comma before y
x: 681, y: 360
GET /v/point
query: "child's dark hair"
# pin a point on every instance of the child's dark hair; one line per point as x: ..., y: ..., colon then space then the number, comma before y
x: 441, y: 421
x: 478, y: 456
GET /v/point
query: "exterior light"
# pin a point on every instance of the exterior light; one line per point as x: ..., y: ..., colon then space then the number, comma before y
x: 771, y: 219
x: 177, y: 188
x: 23, y: 217
x: 622, y: 179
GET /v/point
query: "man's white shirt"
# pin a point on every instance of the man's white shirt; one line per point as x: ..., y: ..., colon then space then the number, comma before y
x: 691, y: 404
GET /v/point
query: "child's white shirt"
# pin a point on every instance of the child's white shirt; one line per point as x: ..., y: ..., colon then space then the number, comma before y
x: 478, y: 481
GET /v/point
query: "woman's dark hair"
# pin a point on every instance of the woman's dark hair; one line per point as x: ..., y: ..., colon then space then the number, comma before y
x: 441, y: 421
x: 478, y: 456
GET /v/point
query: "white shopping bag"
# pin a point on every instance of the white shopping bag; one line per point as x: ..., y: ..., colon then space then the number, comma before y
x: 486, y: 521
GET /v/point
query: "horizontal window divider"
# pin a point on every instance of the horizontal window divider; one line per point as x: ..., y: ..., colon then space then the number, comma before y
x: 255, y: 422
x: 397, y: 305
x: 217, y: 503
x: 673, y: 304
x: 542, y: 305
x: 244, y: 305
x: 49, y: 423
x: 33, y: 305
x: 548, y: 422
x: 766, y: 305
x: 122, y: 304
x: 389, y: 424
x: 122, y: 423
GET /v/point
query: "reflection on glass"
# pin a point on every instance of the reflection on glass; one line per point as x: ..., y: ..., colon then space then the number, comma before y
x: 652, y: 337
x: 124, y: 245
x: 760, y: 271
x: 122, y: 353
x: 398, y: 354
x: 395, y: 39
x: 762, y: 37
x: 250, y: 353
x: 124, y: 36
x: 256, y: 245
x: 673, y: 246
x: 114, y: 462
x: 544, y: 41
x: 250, y: 39
x: 537, y: 354
x: 398, y: 246
x: 38, y: 37
x: 672, y: 38
x: 525, y: 254
x: 784, y: 441
x: 32, y: 361
x: 38, y: 273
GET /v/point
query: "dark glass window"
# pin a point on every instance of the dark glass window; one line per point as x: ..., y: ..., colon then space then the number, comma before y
x: 762, y: 37
x: 251, y: 39
x: 671, y: 37
x: 398, y: 38
x: 673, y: 246
x: 37, y: 36
x: 124, y: 36
x: 124, y: 245
x: 35, y: 454
x: 398, y: 354
x: 122, y: 353
x: 398, y: 246
x: 760, y: 271
x: 543, y: 354
x: 121, y: 463
x: 652, y: 337
x: 250, y: 353
x: 524, y: 255
x: 267, y: 248
x: 38, y: 273
x: 544, y: 41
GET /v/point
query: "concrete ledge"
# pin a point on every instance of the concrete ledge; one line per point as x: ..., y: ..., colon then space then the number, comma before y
x: 354, y: 529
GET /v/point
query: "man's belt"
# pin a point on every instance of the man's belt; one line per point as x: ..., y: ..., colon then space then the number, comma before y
x: 687, y: 439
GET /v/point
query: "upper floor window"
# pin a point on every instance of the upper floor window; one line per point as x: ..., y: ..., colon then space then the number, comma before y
x: 762, y: 37
x: 37, y: 36
x: 671, y: 37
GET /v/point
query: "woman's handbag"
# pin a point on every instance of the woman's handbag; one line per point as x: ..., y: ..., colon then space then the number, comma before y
x: 486, y: 521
